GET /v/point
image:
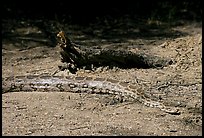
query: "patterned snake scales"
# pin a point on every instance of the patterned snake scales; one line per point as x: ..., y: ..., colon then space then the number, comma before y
x: 79, y: 85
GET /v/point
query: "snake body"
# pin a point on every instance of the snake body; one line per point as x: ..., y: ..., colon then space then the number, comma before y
x: 75, y: 84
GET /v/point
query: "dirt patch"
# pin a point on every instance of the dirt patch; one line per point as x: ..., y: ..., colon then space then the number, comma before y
x: 177, y: 85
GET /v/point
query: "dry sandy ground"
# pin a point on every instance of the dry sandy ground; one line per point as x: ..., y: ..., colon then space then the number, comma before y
x: 177, y: 85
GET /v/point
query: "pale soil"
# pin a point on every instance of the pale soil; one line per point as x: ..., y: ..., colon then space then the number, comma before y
x: 61, y: 113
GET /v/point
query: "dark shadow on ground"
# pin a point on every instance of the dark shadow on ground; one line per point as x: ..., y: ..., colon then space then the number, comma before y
x: 110, y: 23
x: 112, y: 31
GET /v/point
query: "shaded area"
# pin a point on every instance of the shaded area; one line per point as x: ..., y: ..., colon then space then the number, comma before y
x: 113, y: 21
x: 82, y: 12
x: 110, y: 29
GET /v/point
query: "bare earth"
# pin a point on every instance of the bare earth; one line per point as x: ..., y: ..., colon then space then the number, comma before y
x: 177, y: 85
